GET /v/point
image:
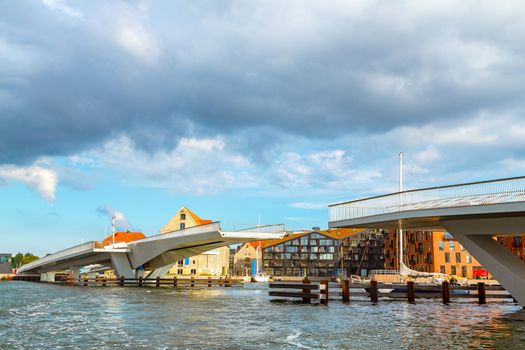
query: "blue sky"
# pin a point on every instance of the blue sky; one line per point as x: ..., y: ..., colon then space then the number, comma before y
x: 139, y: 108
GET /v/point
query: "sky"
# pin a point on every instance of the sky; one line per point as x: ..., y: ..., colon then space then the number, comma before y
x: 231, y: 108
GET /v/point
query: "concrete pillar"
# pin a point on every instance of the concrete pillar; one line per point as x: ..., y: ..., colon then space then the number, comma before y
x: 506, y: 267
x: 74, y: 272
x: 47, y: 276
x: 160, y: 272
x: 121, y: 265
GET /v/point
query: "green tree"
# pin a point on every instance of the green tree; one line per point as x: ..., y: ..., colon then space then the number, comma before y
x: 28, y: 257
x: 16, y: 261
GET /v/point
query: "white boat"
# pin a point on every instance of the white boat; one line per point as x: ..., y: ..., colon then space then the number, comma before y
x: 261, y: 277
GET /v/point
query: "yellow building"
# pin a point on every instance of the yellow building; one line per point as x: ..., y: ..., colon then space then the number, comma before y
x: 211, y: 263
x: 244, y: 259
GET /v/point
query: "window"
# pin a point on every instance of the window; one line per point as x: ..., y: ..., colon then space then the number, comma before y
x: 4, y: 259
x: 441, y: 245
x: 314, y: 249
x: 326, y: 242
x: 326, y: 257
x: 304, y: 240
x: 292, y: 249
x: 313, y: 256
x: 452, y: 245
x: 464, y: 271
x: 354, y: 243
x: 331, y: 249
x: 469, y: 258
x: 182, y: 226
x: 295, y: 242
x: 447, y: 257
x: 180, y: 271
x: 313, y: 242
x: 458, y: 257
x: 364, y: 272
x: 180, y: 263
x: 452, y: 270
x: 442, y: 269
x: 193, y: 271
x: 182, y: 216
x: 193, y: 262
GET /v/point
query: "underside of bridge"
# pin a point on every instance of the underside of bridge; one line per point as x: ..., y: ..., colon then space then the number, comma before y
x: 474, y: 228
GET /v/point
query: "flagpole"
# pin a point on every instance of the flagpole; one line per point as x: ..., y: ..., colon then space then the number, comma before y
x: 400, y: 203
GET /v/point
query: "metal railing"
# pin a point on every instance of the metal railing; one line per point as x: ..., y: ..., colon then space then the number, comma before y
x: 461, y: 195
x: 72, y: 251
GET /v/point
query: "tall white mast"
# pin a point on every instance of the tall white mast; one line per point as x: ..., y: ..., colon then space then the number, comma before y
x: 400, y: 203
x: 113, y: 228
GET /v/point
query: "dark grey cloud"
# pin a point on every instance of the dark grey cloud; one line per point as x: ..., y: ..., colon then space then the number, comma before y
x: 73, y: 75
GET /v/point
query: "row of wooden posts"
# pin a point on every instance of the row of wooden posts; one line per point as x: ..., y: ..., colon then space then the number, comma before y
x: 307, y: 291
x: 157, y: 282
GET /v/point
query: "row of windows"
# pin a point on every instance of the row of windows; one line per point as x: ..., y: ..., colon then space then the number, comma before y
x: 452, y: 245
x: 468, y: 258
x: 4, y: 259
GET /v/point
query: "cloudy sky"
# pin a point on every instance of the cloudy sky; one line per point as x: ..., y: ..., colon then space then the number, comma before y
x: 138, y: 108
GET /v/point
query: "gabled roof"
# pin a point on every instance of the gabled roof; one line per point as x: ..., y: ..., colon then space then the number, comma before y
x: 123, y: 237
x: 196, y: 218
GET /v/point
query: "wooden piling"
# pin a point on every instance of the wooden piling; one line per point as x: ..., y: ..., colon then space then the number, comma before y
x: 220, y: 281
x: 411, y: 292
x: 192, y: 281
x: 445, y: 292
x: 157, y: 282
x: 345, y: 287
x: 121, y: 281
x: 482, y: 299
x: 85, y: 281
x: 324, y: 291
x: 140, y: 281
x: 209, y: 281
x: 373, y: 291
x: 175, y: 282
x: 306, y: 281
x: 103, y: 282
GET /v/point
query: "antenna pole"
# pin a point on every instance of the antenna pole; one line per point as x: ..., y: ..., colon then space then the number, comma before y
x: 113, y: 228
x: 400, y: 203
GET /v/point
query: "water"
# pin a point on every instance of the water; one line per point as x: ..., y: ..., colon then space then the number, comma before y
x: 40, y: 316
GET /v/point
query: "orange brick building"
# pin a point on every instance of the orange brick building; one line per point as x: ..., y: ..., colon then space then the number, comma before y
x: 430, y: 251
x: 514, y: 244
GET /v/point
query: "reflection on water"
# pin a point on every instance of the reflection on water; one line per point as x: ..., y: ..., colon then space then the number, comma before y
x: 40, y: 316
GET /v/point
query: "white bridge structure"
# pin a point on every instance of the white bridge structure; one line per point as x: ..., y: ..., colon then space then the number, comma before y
x: 472, y: 212
x: 155, y: 254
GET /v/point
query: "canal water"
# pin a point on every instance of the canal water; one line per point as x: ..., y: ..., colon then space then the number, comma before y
x: 40, y: 316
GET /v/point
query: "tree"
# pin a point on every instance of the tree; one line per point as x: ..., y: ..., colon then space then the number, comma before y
x: 22, y: 259
x: 16, y: 261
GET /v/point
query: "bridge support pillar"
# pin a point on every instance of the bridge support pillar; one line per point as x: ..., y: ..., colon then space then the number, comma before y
x: 75, y: 272
x: 121, y: 265
x: 47, y: 277
x: 160, y: 272
x: 476, y: 237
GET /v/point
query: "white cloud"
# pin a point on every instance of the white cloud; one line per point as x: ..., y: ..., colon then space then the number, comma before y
x: 36, y: 177
x: 308, y: 205
x: 121, y: 222
x: 195, y: 166
x: 136, y: 39
x: 63, y: 7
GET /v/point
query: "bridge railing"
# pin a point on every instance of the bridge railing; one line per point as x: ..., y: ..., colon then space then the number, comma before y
x: 461, y: 195
x: 72, y: 251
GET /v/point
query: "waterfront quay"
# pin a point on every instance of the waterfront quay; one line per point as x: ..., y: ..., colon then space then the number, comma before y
x: 43, y: 316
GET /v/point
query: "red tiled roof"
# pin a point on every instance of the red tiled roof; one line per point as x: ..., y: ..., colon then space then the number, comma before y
x: 196, y: 218
x: 123, y: 237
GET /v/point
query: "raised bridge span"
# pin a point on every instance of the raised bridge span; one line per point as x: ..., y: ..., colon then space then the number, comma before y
x: 157, y: 254
x: 472, y: 212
